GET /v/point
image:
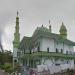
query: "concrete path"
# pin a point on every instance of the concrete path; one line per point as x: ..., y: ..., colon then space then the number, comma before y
x: 3, y: 73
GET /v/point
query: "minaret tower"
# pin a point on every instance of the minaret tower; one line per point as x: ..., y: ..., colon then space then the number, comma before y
x: 16, y: 41
x: 50, y: 26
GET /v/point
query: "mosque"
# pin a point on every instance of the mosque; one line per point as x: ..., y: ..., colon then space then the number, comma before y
x: 44, y: 50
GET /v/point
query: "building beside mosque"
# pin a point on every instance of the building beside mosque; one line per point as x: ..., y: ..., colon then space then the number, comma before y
x: 44, y: 50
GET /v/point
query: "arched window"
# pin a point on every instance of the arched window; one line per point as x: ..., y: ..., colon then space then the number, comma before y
x: 56, y: 50
x: 66, y: 52
x: 38, y: 49
x: 30, y: 52
x: 24, y: 51
x: 67, y: 62
x: 61, y: 50
x: 48, y: 49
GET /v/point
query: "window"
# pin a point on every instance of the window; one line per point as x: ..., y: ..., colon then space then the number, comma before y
x: 56, y: 50
x: 66, y: 52
x: 61, y: 50
x: 74, y: 61
x: 67, y: 62
x: 30, y: 51
x: 38, y: 49
x: 24, y: 51
x: 48, y: 49
x: 57, y: 64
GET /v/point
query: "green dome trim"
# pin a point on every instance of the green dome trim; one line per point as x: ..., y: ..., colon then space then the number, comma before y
x: 63, y: 28
x: 63, y: 31
x: 41, y: 29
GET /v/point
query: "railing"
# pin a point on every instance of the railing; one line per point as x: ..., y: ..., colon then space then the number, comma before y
x: 49, y: 54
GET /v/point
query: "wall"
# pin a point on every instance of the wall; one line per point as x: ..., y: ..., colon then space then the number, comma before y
x: 59, y: 46
x: 63, y: 46
x: 15, y: 52
x: 49, y: 65
x: 52, y: 45
x: 47, y: 43
x: 72, y: 64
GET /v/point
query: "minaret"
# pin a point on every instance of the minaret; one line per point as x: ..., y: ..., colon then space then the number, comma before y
x: 63, y: 31
x: 16, y: 41
x: 50, y: 26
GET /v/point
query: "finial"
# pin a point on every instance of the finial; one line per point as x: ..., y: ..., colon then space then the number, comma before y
x: 49, y: 22
x: 50, y: 26
x: 62, y: 23
x: 17, y: 13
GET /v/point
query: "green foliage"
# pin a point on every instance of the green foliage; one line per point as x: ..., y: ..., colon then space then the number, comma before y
x: 7, y: 67
x: 6, y: 61
x: 5, y: 57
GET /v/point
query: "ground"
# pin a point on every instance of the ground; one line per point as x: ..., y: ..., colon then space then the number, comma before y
x: 3, y: 73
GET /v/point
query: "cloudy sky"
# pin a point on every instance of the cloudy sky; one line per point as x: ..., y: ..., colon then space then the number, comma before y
x: 34, y: 13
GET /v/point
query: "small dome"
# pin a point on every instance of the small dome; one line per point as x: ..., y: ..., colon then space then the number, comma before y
x: 63, y: 28
x: 41, y: 29
x: 63, y: 31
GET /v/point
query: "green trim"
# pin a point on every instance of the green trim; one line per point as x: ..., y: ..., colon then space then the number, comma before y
x: 16, y: 41
x: 45, y: 33
x: 50, y: 55
x: 26, y: 43
x: 63, y: 28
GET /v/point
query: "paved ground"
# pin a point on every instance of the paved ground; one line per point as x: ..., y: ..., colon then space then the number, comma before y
x: 3, y: 73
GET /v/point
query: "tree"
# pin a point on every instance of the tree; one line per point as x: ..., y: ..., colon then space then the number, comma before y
x: 6, y: 61
x: 6, y: 57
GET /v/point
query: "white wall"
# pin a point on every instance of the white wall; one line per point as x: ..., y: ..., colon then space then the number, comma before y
x: 15, y: 52
x: 66, y: 48
x: 52, y: 45
x: 71, y: 49
x: 72, y: 64
x: 47, y: 43
x: 59, y: 46
x: 63, y: 46
x: 46, y: 61
x: 49, y: 65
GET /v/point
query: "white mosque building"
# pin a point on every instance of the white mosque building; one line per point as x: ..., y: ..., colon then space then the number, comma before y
x: 44, y: 50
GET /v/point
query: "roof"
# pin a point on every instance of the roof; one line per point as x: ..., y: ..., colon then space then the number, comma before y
x: 41, y: 29
x: 45, y: 32
x: 25, y: 43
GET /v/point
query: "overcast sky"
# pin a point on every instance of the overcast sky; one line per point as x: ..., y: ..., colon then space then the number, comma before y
x: 34, y: 13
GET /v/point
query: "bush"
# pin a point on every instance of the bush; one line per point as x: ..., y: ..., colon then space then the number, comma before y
x: 8, y: 67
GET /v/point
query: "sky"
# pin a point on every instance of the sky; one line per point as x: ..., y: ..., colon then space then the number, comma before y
x: 32, y: 14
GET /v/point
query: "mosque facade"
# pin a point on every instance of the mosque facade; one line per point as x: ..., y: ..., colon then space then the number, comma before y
x: 44, y: 50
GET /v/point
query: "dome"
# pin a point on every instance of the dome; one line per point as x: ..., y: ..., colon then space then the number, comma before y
x: 63, y: 28
x: 63, y: 31
x: 41, y: 29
